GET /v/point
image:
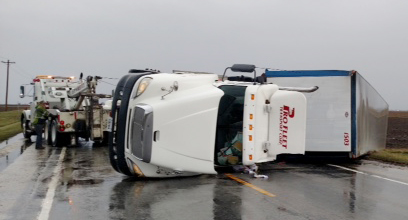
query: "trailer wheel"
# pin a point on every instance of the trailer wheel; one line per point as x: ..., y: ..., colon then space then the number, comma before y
x: 24, y: 126
x: 47, y: 132
x: 57, y: 139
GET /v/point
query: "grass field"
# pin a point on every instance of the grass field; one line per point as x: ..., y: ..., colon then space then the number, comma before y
x: 9, y: 124
x: 398, y: 114
x: 399, y: 156
x: 397, y: 139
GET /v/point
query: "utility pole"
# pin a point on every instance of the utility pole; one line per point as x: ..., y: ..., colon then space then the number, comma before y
x: 8, y: 67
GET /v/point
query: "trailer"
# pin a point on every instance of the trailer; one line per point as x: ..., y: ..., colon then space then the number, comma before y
x: 75, y: 111
x: 346, y: 116
x: 188, y: 123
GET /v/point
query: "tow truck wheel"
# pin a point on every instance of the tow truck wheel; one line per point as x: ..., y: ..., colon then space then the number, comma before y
x: 97, y: 143
x: 24, y: 125
x: 47, y: 132
x: 57, y: 139
x: 76, y: 139
x: 105, y: 139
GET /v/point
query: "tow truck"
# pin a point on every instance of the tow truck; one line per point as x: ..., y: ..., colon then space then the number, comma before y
x: 73, y: 106
x: 188, y: 123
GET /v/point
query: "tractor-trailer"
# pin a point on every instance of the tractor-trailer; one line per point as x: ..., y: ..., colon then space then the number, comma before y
x: 186, y: 123
x: 346, y: 115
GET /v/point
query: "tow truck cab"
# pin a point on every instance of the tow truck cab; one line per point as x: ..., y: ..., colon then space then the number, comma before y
x: 180, y: 124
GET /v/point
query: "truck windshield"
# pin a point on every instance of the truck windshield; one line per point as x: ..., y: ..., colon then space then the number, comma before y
x: 228, y: 142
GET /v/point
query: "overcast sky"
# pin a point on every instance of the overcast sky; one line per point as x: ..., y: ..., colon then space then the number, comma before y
x: 107, y: 38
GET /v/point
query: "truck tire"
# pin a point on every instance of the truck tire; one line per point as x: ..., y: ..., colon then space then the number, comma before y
x: 76, y: 139
x: 97, y: 143
x: 57, y: 139
x: 105, y: 139
x: 47, y: 132
x: 24, y: 126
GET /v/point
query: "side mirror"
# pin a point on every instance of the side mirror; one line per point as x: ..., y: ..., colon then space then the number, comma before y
x: 21, y: 91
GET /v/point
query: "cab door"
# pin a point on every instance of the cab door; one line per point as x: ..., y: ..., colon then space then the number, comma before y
x: 274, y: 123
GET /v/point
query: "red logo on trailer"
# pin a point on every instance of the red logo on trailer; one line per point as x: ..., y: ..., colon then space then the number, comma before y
x: 285, y: 114
x: 346, y: 139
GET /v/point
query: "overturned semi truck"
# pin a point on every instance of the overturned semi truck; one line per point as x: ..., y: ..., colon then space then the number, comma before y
x: 186, y: 123
x: 346, y: 116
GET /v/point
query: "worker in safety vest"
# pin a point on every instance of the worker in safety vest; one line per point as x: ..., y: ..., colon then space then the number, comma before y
x: 40, y: 116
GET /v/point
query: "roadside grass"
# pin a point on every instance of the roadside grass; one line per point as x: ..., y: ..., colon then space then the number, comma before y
x: 9, y: 131
x: 10, y: 117
x: 9, y: 124
x: 399, y: 156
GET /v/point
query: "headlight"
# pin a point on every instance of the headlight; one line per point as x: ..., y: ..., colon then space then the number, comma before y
x: 136, y: 169
x: 143, y: 86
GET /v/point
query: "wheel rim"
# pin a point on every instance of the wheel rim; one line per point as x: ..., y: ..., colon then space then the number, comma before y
x: 24, y: 127
x: 46, y: 131
x: 53, y: 133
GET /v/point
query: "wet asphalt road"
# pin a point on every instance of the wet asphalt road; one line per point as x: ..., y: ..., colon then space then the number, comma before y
x: 78, y: 183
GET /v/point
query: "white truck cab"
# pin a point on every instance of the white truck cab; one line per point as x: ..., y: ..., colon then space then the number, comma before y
x: 179, y: 124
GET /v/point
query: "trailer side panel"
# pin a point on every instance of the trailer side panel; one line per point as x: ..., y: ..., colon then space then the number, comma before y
x: 346, y: 114
x: 371, y: 118
x: 328, y: 127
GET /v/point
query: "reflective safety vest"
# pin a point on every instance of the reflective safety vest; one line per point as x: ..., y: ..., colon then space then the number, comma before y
x: 40, y: 114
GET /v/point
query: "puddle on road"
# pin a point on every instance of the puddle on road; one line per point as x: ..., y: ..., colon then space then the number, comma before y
x: 86, y: 165
x: 11, y: 140
x: 8, y: 156
x: 11, y: 156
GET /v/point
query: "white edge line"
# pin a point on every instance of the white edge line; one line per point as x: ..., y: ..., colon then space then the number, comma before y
x: 47, y: 202
x: 356, y: 171
x: 345, y: 168
x: 395, y: 181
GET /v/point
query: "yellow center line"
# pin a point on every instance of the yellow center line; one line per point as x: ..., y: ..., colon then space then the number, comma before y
x: 249, y: 185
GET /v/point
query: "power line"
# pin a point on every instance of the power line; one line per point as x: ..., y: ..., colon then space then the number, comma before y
x: 8, y: 67
x: 107, y: 83
x: 23, y: 71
